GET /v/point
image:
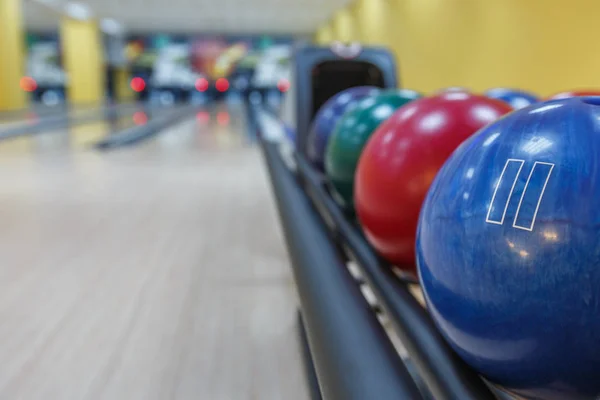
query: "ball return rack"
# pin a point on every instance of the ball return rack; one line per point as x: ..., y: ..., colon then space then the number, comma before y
x: 348, y: 354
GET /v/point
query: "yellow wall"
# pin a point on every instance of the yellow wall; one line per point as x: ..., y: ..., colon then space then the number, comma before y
x: 344, y: 27
x: 324, y: 35
x: 12, y: 67
x: 123, y: 90
x: 540, y: 45
x: 372, y: 19
x: 84, y: 61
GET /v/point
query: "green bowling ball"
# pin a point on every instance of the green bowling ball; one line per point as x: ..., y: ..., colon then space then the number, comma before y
x: 350, y: 136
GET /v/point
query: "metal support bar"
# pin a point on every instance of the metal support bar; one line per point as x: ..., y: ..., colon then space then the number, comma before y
x: 444, y: 372
x: 353, y: 356
x: 309, y: 365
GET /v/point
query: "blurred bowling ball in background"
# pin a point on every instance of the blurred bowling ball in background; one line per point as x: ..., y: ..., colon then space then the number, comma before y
x: 575, y: 93
x: 453, y: 89
x: 328, y: 116
x: 517, y: 99
x: 401, y: 159
x: 351, y: 134
x: 508, y: 250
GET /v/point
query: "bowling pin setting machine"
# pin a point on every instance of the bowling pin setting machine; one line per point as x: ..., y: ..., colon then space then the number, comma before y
x: 347, y: 353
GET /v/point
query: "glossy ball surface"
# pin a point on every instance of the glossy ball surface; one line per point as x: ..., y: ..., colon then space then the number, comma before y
x: 508, y: 250
x: 453, y: 89
x: 401, y: 160
x: 517, y: 99
x: 350, y: 136
x: 575, y: 93
x: 327, y: 118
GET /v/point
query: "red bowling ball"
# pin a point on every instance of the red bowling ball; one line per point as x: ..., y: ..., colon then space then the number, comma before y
x: 401, y: 159
x: 453, y: 89
x: 575, y: 93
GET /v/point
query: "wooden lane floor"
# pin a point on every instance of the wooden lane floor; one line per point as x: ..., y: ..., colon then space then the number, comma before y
x: 76, y: 136
x: 59, y: 140
x: 31, y: 115
x: 13, y: 119
x: 153, y: 272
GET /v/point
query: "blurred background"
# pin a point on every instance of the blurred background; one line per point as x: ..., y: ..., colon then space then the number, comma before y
x: 56, y: 51
x: 85, y: 53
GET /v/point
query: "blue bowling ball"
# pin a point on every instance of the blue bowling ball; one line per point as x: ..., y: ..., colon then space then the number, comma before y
x: 508, y: 250
x: 517, y: 99
x: 328, y: 116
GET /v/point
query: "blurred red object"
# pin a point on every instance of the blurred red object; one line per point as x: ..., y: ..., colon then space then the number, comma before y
x: 283, y: 85
x: 222, y: 84
x: 223, y: 118
x: 28, y: 84
x: 138, y: 84
x: 201, y: 84
x: 140, y: 118
x: 203, y: 117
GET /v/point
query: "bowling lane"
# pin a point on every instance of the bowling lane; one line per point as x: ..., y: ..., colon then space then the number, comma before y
x: 151, y: 272
x: 78, y: 136
x: 24, y: 118
x: 212, y: 130
x: 15, y: 119
x: 39, y: 110
x: 86, y: 135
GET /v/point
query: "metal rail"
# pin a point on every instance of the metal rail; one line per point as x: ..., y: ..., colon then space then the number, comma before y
x: 354, y: 358
x: 445, y: 374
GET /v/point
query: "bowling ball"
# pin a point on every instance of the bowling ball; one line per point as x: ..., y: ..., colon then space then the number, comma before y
x: 401, y: 159
x: 508, y: 250
x: 453, y: 89
x: 575, y: 93
x: 328, y: 116
x: 517, y: 99
x: 351, y: 134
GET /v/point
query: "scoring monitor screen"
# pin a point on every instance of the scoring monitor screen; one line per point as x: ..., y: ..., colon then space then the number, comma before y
x: 331, y: 77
